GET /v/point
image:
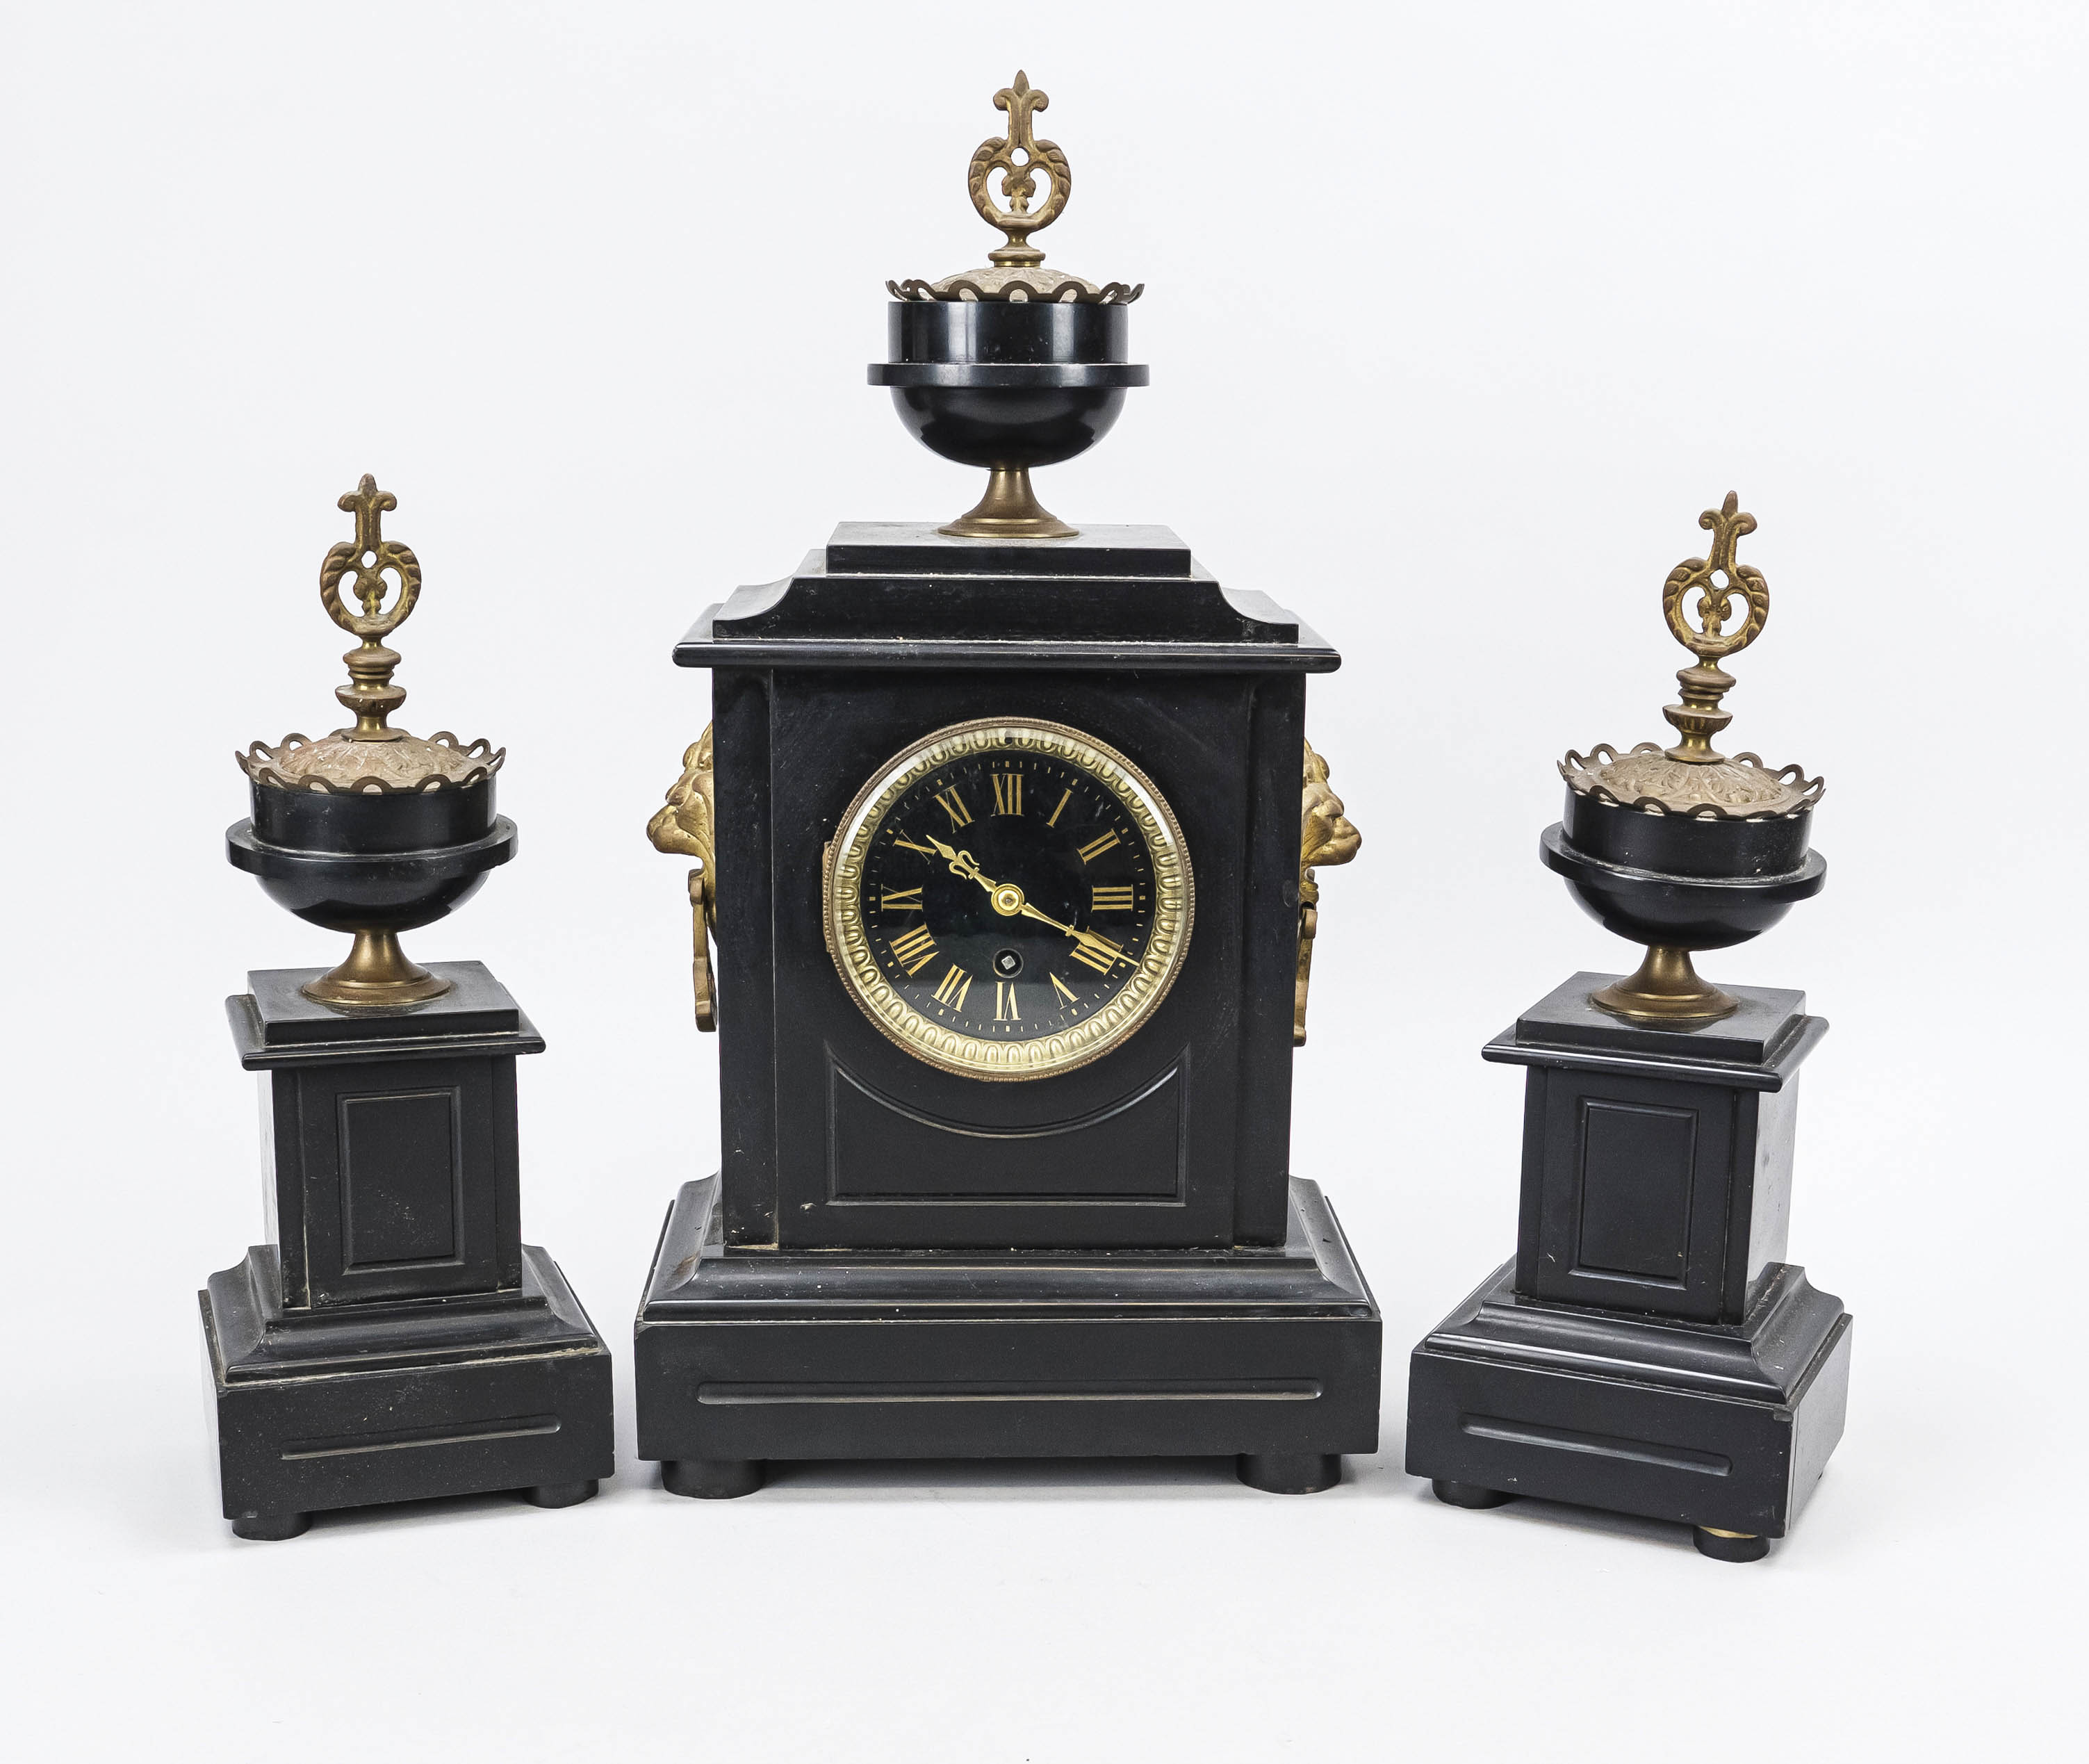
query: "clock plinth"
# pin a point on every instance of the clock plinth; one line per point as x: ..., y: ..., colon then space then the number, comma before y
x: 396, y: 1339
x: 1273, y: 1359
x: 1648, y: 1350
x: 937, y: 1231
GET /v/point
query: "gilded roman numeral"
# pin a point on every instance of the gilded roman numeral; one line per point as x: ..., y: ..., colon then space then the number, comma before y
x: 926, y: 851
x: 1008, y: 793
x: 900, y: 900
x: 1103, y: 900
x: 954, y: 806
x: 1096, y: 848
x: 1101, y: 955
x: 1004, y: 1002
x: 1059, y: 986
x: 956, y: 984
x: 915, y: 950
x: 1054, y: 821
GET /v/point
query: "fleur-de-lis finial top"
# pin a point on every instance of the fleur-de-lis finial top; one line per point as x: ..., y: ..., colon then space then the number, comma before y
x: 1719, y: 582
x: 1019, y: 176
x: 380, y: 566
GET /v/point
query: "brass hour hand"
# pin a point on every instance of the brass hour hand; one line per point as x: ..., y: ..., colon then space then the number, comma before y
x: 962, y: 863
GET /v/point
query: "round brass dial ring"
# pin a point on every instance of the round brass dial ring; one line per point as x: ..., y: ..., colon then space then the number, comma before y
x: 1008, y: 845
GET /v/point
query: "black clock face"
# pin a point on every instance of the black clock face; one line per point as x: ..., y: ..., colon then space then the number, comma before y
x: 1009, y: 899
x: 1008, y: 895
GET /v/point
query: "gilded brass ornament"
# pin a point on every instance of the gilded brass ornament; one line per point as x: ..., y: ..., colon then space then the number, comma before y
x: 1017, y: 285
x: 378, y: 974
x: 1718, y: 582
x: 1020, y: 159
x: 371, y: 757
x: 687, y: 825
x: 1009, y: 510
x: 370, y: 692
x: 1016, y: 271
x: 1693, y: 777
x: 1665, y: 988
x: 1742, y: 789
x: 1325, y: 836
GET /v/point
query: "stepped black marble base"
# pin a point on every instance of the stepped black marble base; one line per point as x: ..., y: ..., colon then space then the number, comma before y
x: 395, y: 1339
x: 376, y: 1403
x: 1724, y: 1427
x: 1271, y: 1357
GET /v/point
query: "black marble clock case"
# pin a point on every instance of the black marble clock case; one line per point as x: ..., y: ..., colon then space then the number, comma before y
x: 1648, y: 1350
x: 395, y: 1339
x: 895, y: 1261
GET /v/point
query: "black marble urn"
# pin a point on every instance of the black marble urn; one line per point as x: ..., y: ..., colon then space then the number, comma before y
x: 1008, y: 385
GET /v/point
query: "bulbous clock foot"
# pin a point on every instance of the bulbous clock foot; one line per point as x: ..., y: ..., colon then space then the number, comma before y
x: 1288, y: 1473
x: 1729, y: 1545
x: 270, y: 1528
x: 1466, y: 1495
x: 561, y: 1494
x: 712, y: 1478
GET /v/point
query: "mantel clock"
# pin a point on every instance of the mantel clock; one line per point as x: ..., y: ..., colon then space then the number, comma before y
x: 1005, y: 835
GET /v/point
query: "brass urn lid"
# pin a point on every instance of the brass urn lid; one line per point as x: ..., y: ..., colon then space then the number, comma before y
x: 371, y: 757
x: 1693, y: 778
x: 1016, y: 271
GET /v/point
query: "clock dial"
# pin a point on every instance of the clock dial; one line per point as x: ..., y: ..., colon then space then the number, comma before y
x: 1009, y: 899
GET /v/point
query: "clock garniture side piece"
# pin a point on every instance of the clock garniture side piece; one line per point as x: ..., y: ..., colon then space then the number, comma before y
x: 1647, y: 1350
x: 395, y: 1339
x: 1001, y: 910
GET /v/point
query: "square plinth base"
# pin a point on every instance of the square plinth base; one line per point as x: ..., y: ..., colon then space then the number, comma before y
x: 376, y: 1403
x: 1727, y: 1428
x: 1271, y: 1357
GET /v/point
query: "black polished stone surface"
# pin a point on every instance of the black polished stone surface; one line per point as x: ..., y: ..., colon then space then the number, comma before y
x: 1770, y: 1032
x: 742, y: 1358
x: 1686, y: 845
x: 386, y: 890
x: 898, y: 549
x: 1004, y: 332
x: 899, y: 1260
x: 1728, y: 1427
x: 1692, y: 913
x: 368, y: 823
x: 1111, y: 599
x: 1649, y: 1350
x: 395, y: 1339
x: 273, y: 1020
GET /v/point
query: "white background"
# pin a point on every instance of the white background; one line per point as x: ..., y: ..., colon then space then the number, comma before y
x: 1457, y: 316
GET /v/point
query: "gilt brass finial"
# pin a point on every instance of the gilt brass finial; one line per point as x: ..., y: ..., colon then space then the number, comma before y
x: 1719, y: 581
x: 370, y: 692
x: 1019, y: 176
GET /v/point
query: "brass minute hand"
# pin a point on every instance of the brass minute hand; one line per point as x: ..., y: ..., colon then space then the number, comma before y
x: 1101, y: 945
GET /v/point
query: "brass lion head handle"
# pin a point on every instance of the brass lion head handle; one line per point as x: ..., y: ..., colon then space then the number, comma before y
x: 1325, y: 836
x: 1719, y: 582
x: 687, y: 825
x: 378, y: 566
x: 1018, y: 177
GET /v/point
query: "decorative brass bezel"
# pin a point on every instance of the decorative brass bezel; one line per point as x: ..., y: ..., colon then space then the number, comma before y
x: 1045, y: 1056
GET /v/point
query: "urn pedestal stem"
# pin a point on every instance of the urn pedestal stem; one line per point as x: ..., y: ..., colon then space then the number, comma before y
x: 378, y: 974
x: 1665, y: 988
x: 1009, y: 510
